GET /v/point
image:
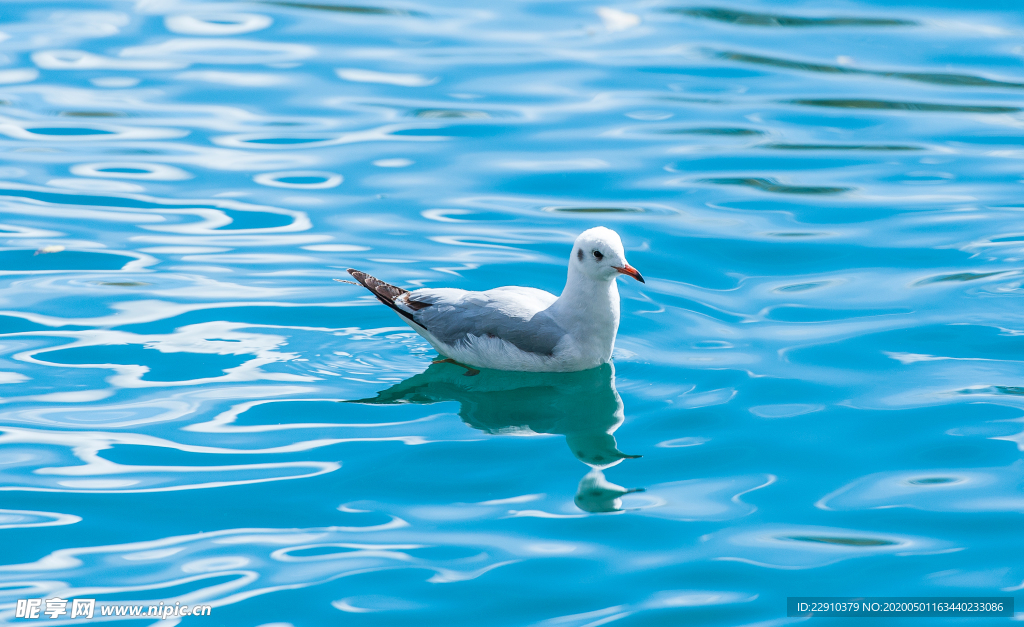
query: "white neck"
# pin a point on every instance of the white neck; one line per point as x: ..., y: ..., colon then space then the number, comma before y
x: 588, y: 309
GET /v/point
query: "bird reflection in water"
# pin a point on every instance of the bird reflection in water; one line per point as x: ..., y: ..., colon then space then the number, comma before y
x: 582, y: 406
x: 596, y: 494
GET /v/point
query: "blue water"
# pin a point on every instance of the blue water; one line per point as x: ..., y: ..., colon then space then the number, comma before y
x: 822, y: 373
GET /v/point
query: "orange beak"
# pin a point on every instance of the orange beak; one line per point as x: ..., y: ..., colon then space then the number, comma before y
x: 631, y: 271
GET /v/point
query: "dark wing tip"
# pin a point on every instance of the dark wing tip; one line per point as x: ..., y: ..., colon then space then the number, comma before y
x: 358, y: 276
x: 386, y: 293
x: 379, y: 288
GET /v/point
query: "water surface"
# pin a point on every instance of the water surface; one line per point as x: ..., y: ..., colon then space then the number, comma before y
x: 818, y: 391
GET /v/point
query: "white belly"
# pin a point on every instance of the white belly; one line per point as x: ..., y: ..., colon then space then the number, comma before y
x: 497, y: 354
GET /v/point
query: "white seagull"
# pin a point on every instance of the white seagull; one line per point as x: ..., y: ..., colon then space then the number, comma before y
x: 523, y: 328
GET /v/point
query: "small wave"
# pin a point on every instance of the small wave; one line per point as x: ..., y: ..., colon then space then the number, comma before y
x: 893, y: 105
x: 735, y: 132
x: 936, y: 78
x: 773, y: 186
x: 351, y: 9
x: 744, y: 18
x: 843, y: 147
x: 959, y: 277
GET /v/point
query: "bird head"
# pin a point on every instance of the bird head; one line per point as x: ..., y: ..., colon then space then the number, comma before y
x: 599, y: 255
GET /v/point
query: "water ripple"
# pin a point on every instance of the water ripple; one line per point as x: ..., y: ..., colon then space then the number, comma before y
x: 956, y: 490
x: 744, y: 18
x: 819, y: 382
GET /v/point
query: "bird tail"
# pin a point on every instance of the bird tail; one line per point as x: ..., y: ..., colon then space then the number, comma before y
x: 385, y: 292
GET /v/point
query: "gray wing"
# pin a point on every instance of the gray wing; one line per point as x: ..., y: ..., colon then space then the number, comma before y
x: 517, y: 315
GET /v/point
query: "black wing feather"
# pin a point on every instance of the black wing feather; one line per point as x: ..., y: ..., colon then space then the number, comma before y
x: 387, y: 293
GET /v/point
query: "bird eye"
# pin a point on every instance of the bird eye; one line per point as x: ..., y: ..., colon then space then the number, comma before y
x: 598, y: 255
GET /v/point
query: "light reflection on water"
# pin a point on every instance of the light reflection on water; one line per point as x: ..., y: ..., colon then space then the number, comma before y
x: 818, y: 391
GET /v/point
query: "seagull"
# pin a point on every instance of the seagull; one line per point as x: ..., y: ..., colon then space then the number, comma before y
x: 523, y: 328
